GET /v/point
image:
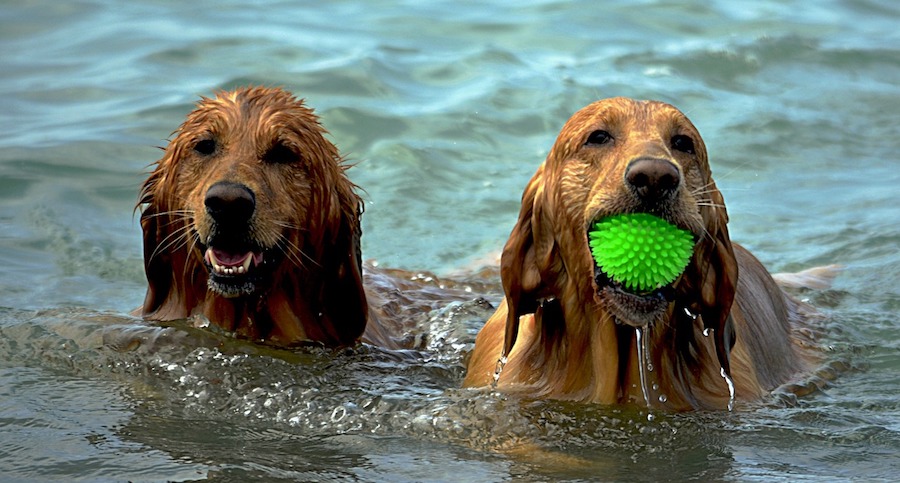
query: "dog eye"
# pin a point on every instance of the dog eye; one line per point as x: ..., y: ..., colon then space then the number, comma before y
x: 598, y: 137
x: 683, y: 143
x: 205, y: 146
x: 280, y: 154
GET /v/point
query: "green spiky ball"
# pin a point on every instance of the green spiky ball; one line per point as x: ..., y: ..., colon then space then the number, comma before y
x: 640, y: 251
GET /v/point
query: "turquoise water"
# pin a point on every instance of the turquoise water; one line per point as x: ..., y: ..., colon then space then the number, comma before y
x: 447, y: 109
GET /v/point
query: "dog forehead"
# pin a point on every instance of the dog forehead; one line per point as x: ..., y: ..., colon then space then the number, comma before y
x: 623, y: 118
x: 622, y: 113
x: 251, y: 104
x: 260, y: 117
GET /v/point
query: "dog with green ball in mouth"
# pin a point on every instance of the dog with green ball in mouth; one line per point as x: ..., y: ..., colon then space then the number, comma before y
x: 622, y: 284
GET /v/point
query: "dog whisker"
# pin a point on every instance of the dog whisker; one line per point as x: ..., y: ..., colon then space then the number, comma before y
x: 181, y: 213
x: 290, y: 254
x: 711, y: 204
x: 191, y: 242
x: 295, y: 252
x: 289, y: 226
x: 176, y: 237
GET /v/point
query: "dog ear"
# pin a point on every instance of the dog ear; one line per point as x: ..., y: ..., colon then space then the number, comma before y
x: 165, y: 299
x: 333, y: 238
x: 157, y: 264
x: 343, y: 297
x: 171, y: 273
x: 712, y: 277
x: 526, y: 258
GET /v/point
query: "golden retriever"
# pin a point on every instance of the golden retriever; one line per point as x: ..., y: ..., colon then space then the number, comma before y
x: 567, y: 331
x: 250, y: 223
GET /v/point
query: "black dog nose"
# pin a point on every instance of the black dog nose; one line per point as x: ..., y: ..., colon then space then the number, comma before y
x: 228, y: 202
x: 652, y: 179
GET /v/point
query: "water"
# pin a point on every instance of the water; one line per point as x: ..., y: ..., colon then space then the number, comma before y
x: 730, y: 383
x: 447, y: 109
x: 641, y: 334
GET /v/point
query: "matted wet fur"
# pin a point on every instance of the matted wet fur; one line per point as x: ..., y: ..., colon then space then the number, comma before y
x: 568, y: 332
x: 250, y: 223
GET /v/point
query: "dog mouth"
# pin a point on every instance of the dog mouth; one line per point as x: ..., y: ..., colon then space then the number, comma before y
x: 235, y: 271
x: 227, y: 263
x: 631, y: 302
x: 630, y: 307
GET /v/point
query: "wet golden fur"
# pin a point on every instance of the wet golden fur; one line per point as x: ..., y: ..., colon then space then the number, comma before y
x: 304, y: 231
x: 565, y: 337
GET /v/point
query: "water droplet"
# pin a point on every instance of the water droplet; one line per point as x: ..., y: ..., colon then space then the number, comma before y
x: 690, y: 314
x: 706, y: 332
x: 663, y: 398
x: 650, y: 367
x: 655, y: 387
x: 650, y: 417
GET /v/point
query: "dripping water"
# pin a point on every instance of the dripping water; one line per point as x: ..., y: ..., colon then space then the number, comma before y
x: 730, y: 383
x: 728, y: 380
x: 500, y: 363
x: 662, y: 397
x: 640, y: 339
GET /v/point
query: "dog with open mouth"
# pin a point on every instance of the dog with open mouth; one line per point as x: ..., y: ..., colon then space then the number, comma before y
x: 251, y: 224
x: 723, y: 329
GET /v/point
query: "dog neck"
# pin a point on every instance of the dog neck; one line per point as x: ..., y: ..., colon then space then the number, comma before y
x: 599, y: 362
x: 285, y: 314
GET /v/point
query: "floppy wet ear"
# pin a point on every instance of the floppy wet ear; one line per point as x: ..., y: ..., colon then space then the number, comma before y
x: 342, y: 294
x: 158, y: 266
x: 334, y: 239
x: 522, y: 264
x: 158, y: 282
x: 164, y: 300
x: 712, y: 277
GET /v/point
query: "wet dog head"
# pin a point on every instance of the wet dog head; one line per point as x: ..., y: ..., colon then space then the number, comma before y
x: 612, y: 157
x: 249, y: 202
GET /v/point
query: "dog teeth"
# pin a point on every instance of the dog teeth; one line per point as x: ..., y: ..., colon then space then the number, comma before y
x: 241, y: 269
x: 230, y: 270
x: 244, y: 267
